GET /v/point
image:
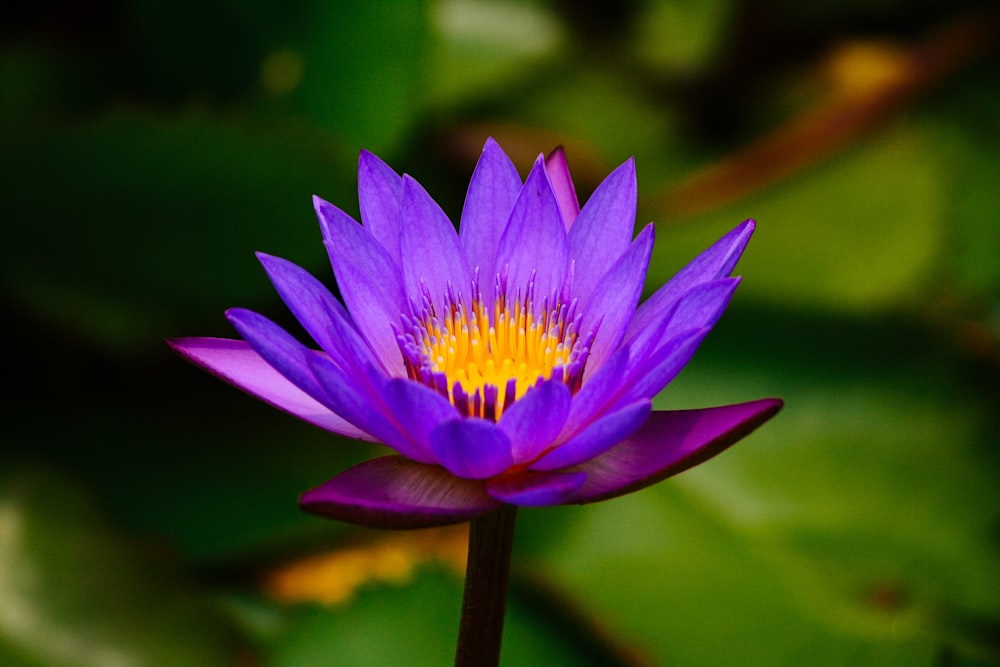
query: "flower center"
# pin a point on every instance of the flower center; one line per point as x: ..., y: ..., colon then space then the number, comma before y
x: 483, y: 359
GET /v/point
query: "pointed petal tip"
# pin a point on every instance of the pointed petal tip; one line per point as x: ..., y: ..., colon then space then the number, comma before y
x: 670, y: 443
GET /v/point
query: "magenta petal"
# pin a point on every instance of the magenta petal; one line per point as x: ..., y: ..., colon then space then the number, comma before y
x: 236, y: 362
x: 613, y: 301
x: 535, y: 489
x: 603, y: 230
x: 534, y: 243
x: 375, y: 304
x: 562, y: 185
x: 433, y: 256
x: 379, y: 192
x: 471, y: 448
x: 534, y: 421
x: 393, y: 492
x: 716, y: 262
x: 669, y: 443
x: 492, y: 192
x: 597, y: 438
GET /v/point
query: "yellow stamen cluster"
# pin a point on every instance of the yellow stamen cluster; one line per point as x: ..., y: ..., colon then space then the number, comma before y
x: 482, y: 354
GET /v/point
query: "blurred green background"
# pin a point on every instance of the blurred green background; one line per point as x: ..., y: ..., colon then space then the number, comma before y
x: 147, y: 510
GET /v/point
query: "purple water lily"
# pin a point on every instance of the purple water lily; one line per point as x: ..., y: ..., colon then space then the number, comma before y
x: 507, y: 363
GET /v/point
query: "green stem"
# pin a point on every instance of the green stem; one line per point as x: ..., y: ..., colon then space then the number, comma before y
x: 491, y: 537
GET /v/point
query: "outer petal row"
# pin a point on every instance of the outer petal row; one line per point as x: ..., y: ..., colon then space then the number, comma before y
x: 392, y: 492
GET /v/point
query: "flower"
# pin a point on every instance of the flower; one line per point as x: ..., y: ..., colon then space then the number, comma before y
x: 509, y: 362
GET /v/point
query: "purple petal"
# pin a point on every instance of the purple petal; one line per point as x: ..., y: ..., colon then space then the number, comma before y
x: 669, y: 443
x: 534, y: 243
x: 418, y: 409
x: 492, y: 192
x: 433, y: 256
x: 649, y: 378
x: 716, y: 262
x: 379, y: 191
x: 393, y: 492
x: 597, y: 393
x: 612, y: 303
x: 364, y: 408
x: 597, y: 438
x: 603, y: 230
x: 562, y: 185
x: 235, y: 362
x: 535, y: 489
x: 471, y: 448
x: 369, y: 281
x: 699, y: 307
x: 319, y: 312
x: 280, y: 349
x: 534, y: 421
x: 702, y: 306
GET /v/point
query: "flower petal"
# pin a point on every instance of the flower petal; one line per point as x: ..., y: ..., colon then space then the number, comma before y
x: 649, y: 378
x: 364, y: 409
x: 534, y: 243
x: 280, y: 349
x: 699, y: 307
x: 433, y: 257
x: 369, y: 281
x: 716, y: 262
x: 534, y: 421
x: 319, y: 312
x: 471, y: 448
x: 612, y: 303
x: 418, y: 409
x: 598, y: 437
x: 535, y: 489
x: 597, y: 393
x: 603, y: 230
x: 562, y: 185
x: 493, y: 190
x: 379, y: 191
x: 669, y: 443
x: 235, y: 362
x: 393, y: 492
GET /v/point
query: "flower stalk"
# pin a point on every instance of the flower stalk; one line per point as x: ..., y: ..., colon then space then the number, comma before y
x: 491, y: 537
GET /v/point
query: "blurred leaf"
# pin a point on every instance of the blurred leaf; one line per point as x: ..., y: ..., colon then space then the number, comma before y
x: 118, y: 226
x: 859, y: 233
x: 963, y: 128
x: 483, y: 48
x: 362, y: 69
x: 681, y: 37
x: 601, y: 107
x: 74, y: 594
